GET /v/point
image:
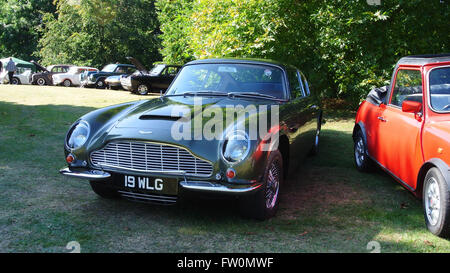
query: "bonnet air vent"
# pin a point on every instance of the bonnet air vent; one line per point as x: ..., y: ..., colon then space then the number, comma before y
x: 159, y: 117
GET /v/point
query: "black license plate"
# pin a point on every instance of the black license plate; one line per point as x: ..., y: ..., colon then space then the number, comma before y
x: 158, y: 185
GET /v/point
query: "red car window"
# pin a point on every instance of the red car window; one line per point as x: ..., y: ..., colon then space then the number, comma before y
x: 408, y: 86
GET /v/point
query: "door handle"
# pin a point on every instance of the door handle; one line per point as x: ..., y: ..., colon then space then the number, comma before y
x: 382, y: 119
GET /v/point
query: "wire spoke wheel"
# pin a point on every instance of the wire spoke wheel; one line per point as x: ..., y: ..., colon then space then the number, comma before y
x: 273, y: 185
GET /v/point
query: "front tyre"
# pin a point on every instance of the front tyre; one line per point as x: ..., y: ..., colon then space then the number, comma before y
x: 142, y: 89
x: 362, y: 160
x: 67, y: 83
x: 436, y: 203
x: 15, y: 81
x: 263, y: 204
x: 100, y: 84
x: 41, y: 81
x: 103, y: 191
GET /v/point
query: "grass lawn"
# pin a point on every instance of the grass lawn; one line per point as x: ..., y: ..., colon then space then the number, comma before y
x: 327, y: 206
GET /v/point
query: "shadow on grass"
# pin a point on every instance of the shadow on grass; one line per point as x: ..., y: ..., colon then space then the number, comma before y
x: 326, y: 205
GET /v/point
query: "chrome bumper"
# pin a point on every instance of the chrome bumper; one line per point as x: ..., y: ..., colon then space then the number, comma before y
x: 204, y: 186
x: 208, y: 186
x: 87, y: 174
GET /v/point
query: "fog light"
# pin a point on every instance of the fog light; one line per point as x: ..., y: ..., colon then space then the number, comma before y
x: 70, y: 158
x: 231, y: 173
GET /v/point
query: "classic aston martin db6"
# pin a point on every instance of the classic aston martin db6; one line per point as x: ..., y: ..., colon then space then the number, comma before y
x: 405, y: 129
x: 224, y: 126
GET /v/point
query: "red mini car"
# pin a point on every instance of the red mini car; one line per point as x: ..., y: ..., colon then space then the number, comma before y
x: 405, y: 129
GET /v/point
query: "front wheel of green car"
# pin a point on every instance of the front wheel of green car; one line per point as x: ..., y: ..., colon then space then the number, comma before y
x: 263, y: 204
x: 103, y: 191
x: 436, y: 203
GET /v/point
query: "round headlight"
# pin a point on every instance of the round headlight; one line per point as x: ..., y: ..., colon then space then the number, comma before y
x: 236, y: 146
x: 78, y: 135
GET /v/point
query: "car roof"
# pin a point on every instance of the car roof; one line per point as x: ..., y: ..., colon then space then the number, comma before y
x: 424, y: 59
x: 241, y: 61
x: 84, y: 67
x: 130, y: 65
x: 61, y: 65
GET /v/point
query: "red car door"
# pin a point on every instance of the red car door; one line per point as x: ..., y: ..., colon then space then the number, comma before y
x: 399, y: 133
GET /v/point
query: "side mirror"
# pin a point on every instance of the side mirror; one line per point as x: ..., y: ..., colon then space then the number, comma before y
x: 411, y: 106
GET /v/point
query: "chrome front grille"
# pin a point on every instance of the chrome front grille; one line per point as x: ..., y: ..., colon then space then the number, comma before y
x: 150, y: 157
x: 151, y: 198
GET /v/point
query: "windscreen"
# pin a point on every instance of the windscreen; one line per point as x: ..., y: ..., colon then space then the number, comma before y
x: 229, y: 77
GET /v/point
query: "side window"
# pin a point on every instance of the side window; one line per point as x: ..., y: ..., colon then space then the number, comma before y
x: 305, y: 84
x: 171, y: 70
x: 131, y: 70
x: 295, y: 85
x: 408, y: 86
x: 119, y: 69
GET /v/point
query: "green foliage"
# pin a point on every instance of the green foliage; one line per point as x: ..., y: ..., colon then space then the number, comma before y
x: 174, y: 17
x: 345, y: 47
x: 18, y: 22
x: 98, y: 32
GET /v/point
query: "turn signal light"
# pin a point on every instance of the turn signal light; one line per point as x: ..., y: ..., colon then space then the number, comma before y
x: 70, y: 158
x: 231, y: 173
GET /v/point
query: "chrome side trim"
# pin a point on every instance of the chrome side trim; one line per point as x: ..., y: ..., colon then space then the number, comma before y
x: 208, y: 186
x: 87, y: 174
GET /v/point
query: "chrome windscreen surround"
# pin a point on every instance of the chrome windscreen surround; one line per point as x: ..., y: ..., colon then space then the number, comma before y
x: 150, y: 157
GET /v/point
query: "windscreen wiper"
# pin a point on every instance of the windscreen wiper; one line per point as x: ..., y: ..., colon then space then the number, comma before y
x: 199, y: 93
x: 254, y: 94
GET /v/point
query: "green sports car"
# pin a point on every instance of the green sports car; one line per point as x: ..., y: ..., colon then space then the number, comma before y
x: 224, y: 126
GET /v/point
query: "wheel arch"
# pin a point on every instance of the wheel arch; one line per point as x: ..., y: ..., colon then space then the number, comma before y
x: 18, y: 80
x: 360, y: 127
x: 66, y: 79
x: 434, y: 162
x: 283, y: 147
x: 101, y: 78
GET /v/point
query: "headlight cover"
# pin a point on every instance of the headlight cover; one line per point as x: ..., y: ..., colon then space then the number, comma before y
x: 78, y: 135
x: 236, y: 147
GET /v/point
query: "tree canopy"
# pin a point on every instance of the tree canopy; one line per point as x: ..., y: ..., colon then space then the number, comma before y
x: 97, y: 32
x: 345, y: 47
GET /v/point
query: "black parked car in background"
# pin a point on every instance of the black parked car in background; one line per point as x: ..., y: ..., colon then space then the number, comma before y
x: 97, y: 78
x: 45, y: 77
x: 142, y: 82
